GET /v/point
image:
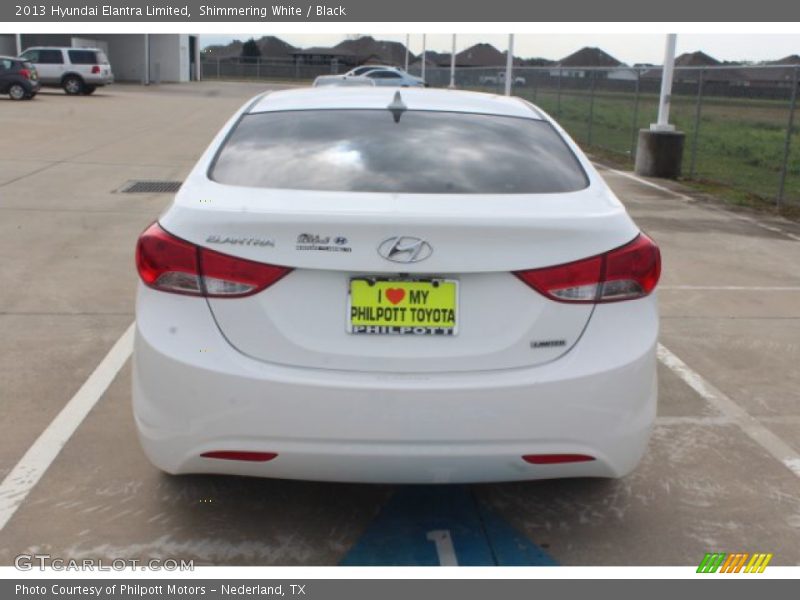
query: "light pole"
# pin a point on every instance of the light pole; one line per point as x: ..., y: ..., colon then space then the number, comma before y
x: 659, y: 150
x: 453, y: 64
x: 509, y: 63
x: 423, y: 57
x: 662, y: 124
x: 408, y: 41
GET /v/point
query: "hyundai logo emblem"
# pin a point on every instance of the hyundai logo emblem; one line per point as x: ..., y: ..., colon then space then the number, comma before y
x: 405, y: 249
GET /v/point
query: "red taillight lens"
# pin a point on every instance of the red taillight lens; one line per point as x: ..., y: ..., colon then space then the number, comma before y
x: 170, y: 264
x: 628, y: 272
x: 240, y: 455
x: 95, y: 69
x: 25, y: 73
x: 556, y: 459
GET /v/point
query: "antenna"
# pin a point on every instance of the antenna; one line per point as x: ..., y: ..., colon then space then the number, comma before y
x: 397, y: 107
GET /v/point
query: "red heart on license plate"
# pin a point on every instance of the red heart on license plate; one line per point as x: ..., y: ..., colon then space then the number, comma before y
x: 395, y: 295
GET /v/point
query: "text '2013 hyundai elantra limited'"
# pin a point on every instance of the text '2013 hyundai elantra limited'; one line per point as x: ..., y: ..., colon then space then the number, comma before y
x: 372, y: 285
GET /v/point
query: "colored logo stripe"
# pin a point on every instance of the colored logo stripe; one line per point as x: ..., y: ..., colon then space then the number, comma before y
x: 734, y: 562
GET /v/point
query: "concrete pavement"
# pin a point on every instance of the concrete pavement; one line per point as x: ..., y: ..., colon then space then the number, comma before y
x: 730, y: 300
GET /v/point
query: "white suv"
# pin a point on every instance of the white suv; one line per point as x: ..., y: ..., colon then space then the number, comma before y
x: 77, y: 70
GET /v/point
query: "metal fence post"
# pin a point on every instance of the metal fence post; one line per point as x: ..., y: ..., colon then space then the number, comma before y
x: 558, y: 97
x: 635, y: 123
x: 787, y: 145
x: 697, y: 110
x: 218, y: 67
x: 591, y: 110
x: 258, y: 67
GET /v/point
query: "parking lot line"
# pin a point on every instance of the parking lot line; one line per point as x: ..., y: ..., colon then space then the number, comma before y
x: 738, y: 416
x: 27, y: 472
x: 685, y: 197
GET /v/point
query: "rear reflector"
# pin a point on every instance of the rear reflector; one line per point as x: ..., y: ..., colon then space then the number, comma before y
x: 631, y: 271
x: 170, y: 264
x: 555, y: 459
x: 240, y: 455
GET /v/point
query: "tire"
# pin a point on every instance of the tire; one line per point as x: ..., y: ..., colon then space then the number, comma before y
x: 89, y: 89
x: 73, y: 85
x: 16, y: 91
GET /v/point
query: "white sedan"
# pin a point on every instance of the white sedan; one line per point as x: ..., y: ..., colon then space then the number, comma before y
x: 378, y: 285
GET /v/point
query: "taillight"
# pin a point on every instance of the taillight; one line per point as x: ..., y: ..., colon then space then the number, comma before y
x: 170, y: 264
x: 95, y: 69
x: 628, y: 272
x: 556, y: 459
x: 25, y: 73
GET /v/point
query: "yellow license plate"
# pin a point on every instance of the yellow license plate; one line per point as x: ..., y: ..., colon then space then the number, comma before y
x: 390, y: 306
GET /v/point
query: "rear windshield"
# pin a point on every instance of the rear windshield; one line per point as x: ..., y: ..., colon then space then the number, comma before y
x: 423, y: 152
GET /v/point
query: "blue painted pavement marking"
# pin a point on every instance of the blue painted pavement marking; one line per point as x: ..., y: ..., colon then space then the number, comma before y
x: 441, y: 525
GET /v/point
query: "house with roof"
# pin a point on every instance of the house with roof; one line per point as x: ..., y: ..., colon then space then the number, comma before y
x: 368, y: 50
x: 588, y: 60
x: 779, y: 73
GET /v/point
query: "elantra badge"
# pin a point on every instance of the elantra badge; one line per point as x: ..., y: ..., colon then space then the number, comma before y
x: 405, y: 249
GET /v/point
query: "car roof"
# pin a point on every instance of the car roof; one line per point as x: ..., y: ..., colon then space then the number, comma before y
x: 333, y: 97
x: 16, y: 58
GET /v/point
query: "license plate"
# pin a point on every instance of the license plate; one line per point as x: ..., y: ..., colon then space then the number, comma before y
x: 403, y: 307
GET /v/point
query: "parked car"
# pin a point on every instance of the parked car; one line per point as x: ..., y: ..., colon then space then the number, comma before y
x: 359, y: 71
x: 341, y: 80
x: 18, y: 78
x: 500, y: 79
x: 393, y: 78
x: 76, y: 70
x: 399, y: 286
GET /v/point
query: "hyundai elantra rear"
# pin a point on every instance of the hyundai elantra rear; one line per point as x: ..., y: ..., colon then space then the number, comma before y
x: 372, y: 285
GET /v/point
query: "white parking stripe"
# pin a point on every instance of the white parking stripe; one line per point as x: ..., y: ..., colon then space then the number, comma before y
x: 681, y: 196
x: 738, y: 416
x: 27, y: 472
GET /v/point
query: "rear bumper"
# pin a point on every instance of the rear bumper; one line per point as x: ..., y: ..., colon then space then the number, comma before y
x: 193, y: 393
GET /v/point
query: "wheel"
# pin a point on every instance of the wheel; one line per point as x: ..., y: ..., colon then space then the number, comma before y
x: 16, y: 91
x: 73, y: 85
x: 89, y: 89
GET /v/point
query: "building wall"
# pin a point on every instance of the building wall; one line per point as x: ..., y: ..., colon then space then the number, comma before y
x: 169, y: 57
x: 8, y: 44
x: 126, y: 55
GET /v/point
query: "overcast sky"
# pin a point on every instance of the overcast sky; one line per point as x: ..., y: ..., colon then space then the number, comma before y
x: 629, y: 48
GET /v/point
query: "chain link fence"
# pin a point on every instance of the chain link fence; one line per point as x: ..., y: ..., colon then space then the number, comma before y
x: 257, y: 68
x: 742, y: 134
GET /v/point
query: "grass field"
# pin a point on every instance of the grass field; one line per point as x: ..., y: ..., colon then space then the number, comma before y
x: 740, y: 142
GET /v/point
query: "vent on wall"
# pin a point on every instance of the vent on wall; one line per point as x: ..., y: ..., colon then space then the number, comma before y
x: 150, y: 187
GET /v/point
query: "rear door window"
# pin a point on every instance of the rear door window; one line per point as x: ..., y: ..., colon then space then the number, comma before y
x: 425, y: 152
x: 82, y: 57
x: 383, y: 75
x: 50, y: 57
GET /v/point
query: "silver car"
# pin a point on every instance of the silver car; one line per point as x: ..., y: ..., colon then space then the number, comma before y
x: 76, y: 70
x: 341, y: 80
x: 394, y: 78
